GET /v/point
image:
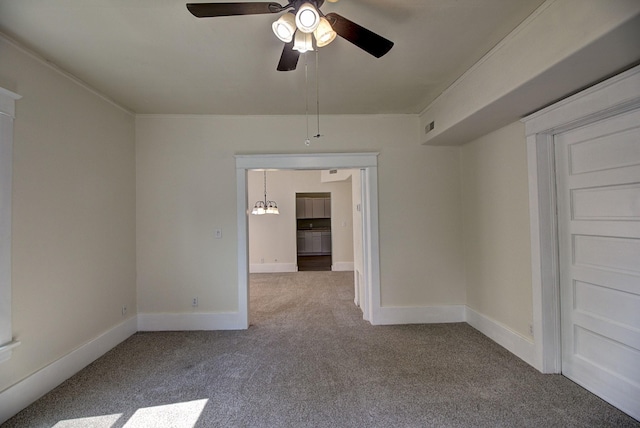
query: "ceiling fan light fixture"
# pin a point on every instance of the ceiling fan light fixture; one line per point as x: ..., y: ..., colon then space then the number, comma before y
x: 307, y: 18
x: 324, y: 33
x: 285, y: 27
x: 303, y: 42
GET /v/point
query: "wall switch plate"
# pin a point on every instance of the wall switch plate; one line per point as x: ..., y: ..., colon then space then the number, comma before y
x: 218, y: 233
x: 124, y: 310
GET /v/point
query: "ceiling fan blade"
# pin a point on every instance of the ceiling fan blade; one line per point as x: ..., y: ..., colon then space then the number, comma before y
x: 365, y: 39
x: 208, y: 10
x: 289, y: 58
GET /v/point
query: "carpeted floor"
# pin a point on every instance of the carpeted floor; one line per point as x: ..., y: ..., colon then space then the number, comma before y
x: 309, y: 360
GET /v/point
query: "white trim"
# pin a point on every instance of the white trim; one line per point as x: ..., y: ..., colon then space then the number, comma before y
x: 368, y: 197
x: 189, y: 322
x: 544, y: 253
x: 366, y: 162
x: 28, y: 390
x: 272, y: 267
x: 611, y: 97
x: 393, y: 315
x: 7, y: 115
x: 8, y: 102
x: 242, y: 211
x: 54, y: 67
x: 342, y: 266
x: 513, y: 342
x: 6, y: 350
x: 307, y: 161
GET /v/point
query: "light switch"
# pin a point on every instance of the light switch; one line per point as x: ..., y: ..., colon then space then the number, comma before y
x: 218, y: 233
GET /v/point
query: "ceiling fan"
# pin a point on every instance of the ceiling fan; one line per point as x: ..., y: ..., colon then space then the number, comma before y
x: 295, y: 27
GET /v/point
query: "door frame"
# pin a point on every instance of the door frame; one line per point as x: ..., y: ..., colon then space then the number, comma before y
x: 617, y: 95
x: 368, y: 165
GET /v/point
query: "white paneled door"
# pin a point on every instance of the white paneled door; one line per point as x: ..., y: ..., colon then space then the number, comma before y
x: 598, y: 179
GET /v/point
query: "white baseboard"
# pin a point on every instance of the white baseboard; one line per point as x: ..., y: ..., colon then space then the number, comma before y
x: 272, y: 267
x: 342, y: 266
x: 33, y: 387
x: 28, y: 390
x: 389, y: 315
x: 503, y: 336
x: 194, y: 321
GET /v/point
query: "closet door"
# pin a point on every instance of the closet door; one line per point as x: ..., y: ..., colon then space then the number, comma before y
x: 598, y: 184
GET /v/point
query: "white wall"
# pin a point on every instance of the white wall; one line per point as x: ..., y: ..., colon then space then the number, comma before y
x: 272, y: 239
x: 186, y: 189
x: 497, y: 253
x: 73, y: 249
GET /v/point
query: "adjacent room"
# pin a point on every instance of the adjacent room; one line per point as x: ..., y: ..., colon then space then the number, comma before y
x: 341, y: 213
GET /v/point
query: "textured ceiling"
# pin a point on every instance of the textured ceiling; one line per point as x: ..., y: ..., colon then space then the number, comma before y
x: 153, y: 56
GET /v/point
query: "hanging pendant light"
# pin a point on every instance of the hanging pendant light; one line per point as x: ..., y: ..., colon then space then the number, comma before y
x: 265, y: 207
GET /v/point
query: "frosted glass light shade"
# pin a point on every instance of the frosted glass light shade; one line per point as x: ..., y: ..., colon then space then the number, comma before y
x: 258, y: 208
x: 307, y: 18
x: 285, y: 27
x: 272, y: 208
x: 303, y: 42
x: 324, y: 33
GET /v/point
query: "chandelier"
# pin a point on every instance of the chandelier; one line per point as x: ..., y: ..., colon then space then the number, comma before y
x: 265, y: 207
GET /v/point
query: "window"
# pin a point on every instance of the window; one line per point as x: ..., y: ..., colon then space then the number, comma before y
x: 7, y: 114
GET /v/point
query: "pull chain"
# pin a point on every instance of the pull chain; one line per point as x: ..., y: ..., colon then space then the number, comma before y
x: 306, y: 97
x: 317, y: 97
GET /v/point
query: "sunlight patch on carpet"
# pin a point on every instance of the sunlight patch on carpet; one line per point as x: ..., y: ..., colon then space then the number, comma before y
x: 177, y: 415
x: 105, y: 421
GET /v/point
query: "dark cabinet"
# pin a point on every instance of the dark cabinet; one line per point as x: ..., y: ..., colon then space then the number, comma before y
x: 314, y: 243
x: 313, y: 207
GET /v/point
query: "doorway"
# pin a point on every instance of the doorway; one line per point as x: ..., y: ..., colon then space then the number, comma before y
x: 313, y: 231
x: 584, y: 164
x: 366, y: 163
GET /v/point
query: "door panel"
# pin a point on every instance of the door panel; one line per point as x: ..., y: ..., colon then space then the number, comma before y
x: 598, y: 179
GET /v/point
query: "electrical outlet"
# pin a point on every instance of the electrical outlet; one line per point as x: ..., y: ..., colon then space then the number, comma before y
x: 531, y: 329
x: 218, y: 233
x: 194, y: 302
x: 124, y: 310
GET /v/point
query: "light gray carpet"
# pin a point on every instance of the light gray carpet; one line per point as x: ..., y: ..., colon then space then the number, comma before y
x: 308, y: 360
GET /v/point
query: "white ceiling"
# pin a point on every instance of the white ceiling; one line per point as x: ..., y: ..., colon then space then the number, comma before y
x: 153, y: 56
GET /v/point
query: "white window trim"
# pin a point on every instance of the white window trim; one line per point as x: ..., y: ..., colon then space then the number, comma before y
x: 7, y: 115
